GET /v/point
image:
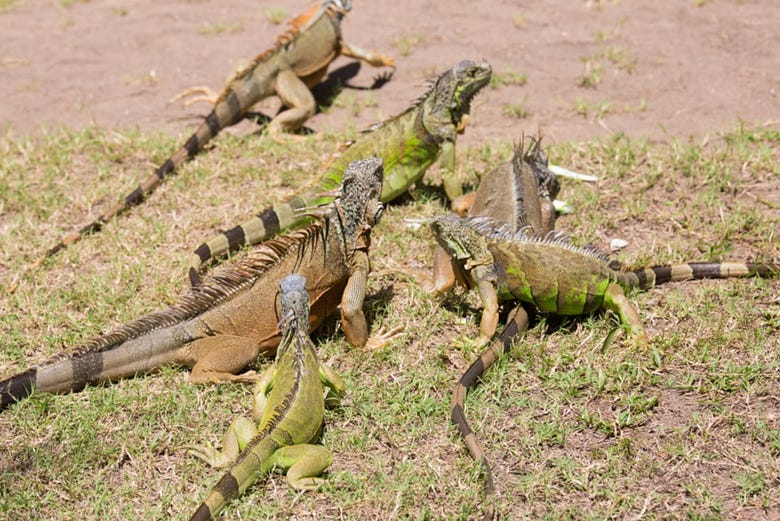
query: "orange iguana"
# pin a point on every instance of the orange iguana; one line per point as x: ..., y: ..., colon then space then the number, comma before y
x: 221, y: 326
x: 298, y: 61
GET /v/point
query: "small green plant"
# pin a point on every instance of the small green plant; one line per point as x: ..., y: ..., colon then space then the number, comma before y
x: 275, y: 15
x: 220, y: 28
x: 620, y: 56
x: 592, y: 75
x: 508, y: 77
x: 519, y: 19
x: 516, y: 110
x: 407, y: 43
x: 6, y: 5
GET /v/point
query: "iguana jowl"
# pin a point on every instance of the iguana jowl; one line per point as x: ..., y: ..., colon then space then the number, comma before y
x: 297, y: 61
x: 289, y: 408
x: 224, y: 324
x: 408, y: 143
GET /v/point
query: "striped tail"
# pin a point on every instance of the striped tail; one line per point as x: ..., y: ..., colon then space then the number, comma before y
x: 261, y: 227
x: 469, y: 380
x: 227, y: 112
x: 223, y: 492
x: 649, y: 277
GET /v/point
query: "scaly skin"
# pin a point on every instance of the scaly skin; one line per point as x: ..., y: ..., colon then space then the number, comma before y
x: 518, y: 193
x: 554, y: 276
x: 297, y: 61
x: 289, y: 408
x: 408, y: 143
x: 220, y: 327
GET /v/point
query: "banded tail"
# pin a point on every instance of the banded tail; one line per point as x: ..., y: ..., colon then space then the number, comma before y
x: 105, y: 358
x: 227, y: 111
x: 648, y: 277
x: 517, y: 322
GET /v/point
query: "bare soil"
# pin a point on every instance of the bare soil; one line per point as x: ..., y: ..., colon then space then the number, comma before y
x: 667, y: 68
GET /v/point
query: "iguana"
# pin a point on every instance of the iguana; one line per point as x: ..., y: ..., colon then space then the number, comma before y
x: 556, y: 276
x: 224, y: 324
x: 518, y: 193
x: 408, y: 143
x: 289, y: 408
x: 548, y: 272
x: 297, y: 61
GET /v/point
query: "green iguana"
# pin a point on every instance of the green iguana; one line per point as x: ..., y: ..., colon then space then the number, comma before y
x: 518, y: 193
x: 297, y: 61
x: 289, y: 408
x: 408, y: 143
x: 556, y: 276
x: 546, y: 271
x: 220, y: 327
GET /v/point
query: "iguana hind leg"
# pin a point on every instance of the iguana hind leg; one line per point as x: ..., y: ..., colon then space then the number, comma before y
x: 218, y: 359
x: 233, y: 442
x: 616, y: 301
x: 298, y: 99
x: 303, y: 464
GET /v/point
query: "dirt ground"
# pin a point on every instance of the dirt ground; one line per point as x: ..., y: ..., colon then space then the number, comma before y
x: 664, y: 69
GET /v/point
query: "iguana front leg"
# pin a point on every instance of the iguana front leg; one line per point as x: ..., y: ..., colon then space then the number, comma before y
x: 353, y: 320
x: 489, y: 298
x: 452, y: 187
x: 334, y: 386
x: 371, y: 58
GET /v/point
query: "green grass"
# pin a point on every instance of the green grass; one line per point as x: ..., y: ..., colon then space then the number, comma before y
x: 575, y: 429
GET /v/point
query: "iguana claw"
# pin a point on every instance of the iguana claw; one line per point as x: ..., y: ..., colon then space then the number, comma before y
x: 382, y: 338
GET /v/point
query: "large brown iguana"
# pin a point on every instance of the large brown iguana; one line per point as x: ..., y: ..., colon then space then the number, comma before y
x: 224, y: 324
x: 518, y: 193
x: 408, y: 143
x: 546, y: 271
x: 289, y: 405
x: 297, y: 61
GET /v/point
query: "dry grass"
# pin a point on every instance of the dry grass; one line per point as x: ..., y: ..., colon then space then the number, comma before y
x: 687, y: 430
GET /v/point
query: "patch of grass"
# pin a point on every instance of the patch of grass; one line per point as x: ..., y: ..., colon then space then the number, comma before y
x: 7, y: 5
x: 592, y: 75
x: 407, y: 43
x: 211, y: 29
x: 586, y: 108
x: 520, y: 19
x: 507, y: 77
x: 688, y: 425
x: 275, y: 15
x: 517, y: 110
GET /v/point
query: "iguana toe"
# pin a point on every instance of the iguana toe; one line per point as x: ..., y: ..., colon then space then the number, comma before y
x: 383, y: 338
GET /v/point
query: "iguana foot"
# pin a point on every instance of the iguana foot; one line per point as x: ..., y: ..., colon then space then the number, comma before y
x: 209, y: 454
x: 383, y: 338
x: 206, y: 94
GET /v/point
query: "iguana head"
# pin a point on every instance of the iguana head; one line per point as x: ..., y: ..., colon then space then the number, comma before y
x: 358, y: 207
x: 534, y: 157
x: 340, y: 6
x: 294, y: 302
x: 461, y: 241
x: 453, y: 91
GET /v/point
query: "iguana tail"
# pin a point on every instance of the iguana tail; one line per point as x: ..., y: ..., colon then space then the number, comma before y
x: 227, y: 111
x: 109, y: 357
x: 469, y: 380
x: 251, y: 465
x: 265, y: 225
x: 648, y: 277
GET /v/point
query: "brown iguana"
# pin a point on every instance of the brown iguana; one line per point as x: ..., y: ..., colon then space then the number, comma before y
x: 408, y: 143
x: 289, y: 405
x: 297, y: 61
x: 224, y: 324
x: 518, y: 193
x: 546, y: 271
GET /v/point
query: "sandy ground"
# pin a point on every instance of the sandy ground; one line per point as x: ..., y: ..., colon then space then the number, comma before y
x: 667, y: 69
